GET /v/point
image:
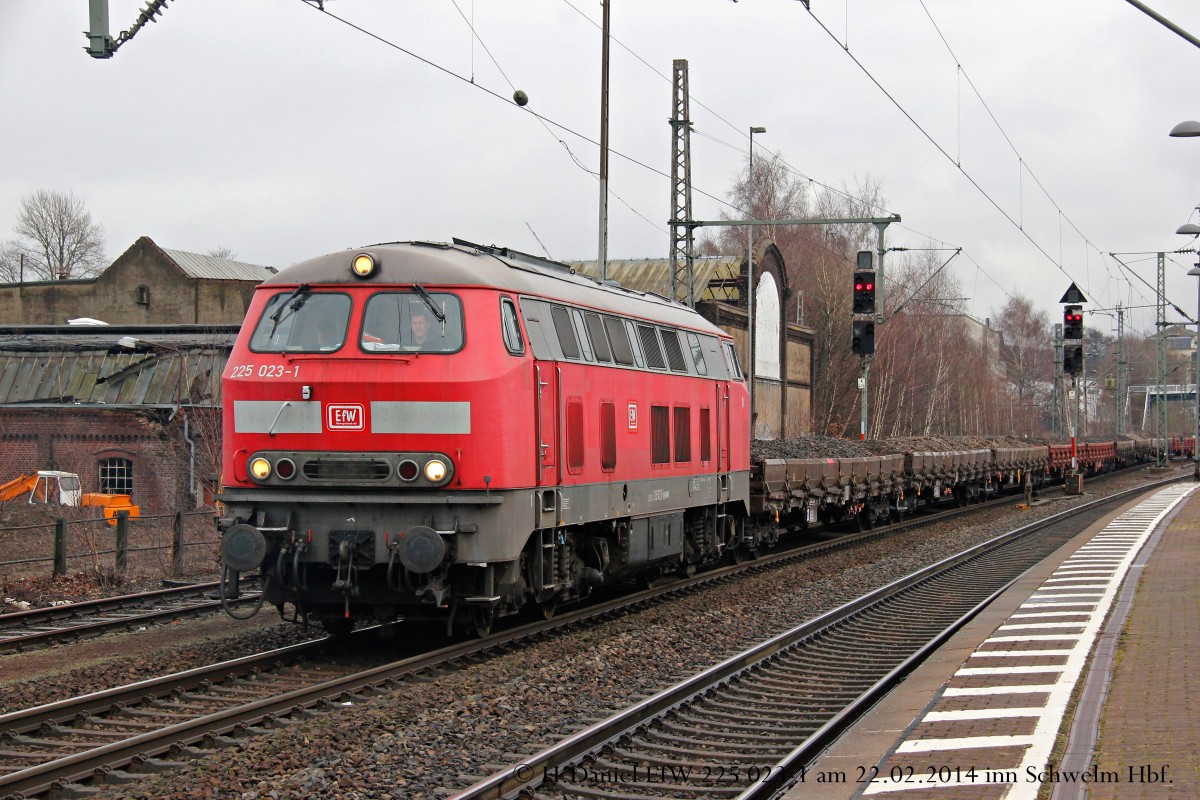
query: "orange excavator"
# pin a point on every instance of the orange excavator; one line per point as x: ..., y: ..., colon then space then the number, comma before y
x: 48, y: 486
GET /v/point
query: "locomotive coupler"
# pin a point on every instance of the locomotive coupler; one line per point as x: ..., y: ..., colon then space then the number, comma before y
x: 345, y: 558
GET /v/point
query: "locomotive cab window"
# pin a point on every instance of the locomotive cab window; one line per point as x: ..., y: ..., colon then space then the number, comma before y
x: 302, y: 321
x: 413, y: 322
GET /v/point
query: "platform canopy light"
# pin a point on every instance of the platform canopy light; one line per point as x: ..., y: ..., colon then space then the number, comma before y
x: 364, y: 265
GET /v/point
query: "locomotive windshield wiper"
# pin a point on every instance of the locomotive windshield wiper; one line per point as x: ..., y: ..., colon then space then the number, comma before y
x: 424, y: 295
x: 278, y: 316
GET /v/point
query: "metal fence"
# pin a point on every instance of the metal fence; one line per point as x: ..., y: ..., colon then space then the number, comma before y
x: 168, y: 545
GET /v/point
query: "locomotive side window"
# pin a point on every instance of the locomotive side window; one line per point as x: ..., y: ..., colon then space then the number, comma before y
x: 581, y: 331
x: 510, y: 328
x: 660, y: 435
x: 622, y: 352
x: 683, y: 434
x: 595, y: 330
x: 735, y: 368
x: 649, y: 339
x: 608, y: 437
x: 697, y: 353
x: 634, y: 344
x: 674, y: 351
x: 705, y: 435
x: 302, y: 321
x: 566, y: 333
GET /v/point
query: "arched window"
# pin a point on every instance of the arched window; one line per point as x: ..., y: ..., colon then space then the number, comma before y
x: 766, y: 328
x: 116, y: 476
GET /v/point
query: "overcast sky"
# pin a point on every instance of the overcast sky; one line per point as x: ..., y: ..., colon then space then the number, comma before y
x: 281, y: 132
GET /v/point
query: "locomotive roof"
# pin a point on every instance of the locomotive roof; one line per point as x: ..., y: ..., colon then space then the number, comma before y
x: 465, y: 264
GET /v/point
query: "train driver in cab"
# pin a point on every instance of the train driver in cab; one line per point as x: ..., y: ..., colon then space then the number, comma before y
x: 425, y: 335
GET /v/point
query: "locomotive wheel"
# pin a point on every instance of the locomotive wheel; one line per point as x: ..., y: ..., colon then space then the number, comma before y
x: 338, y: 627
x: 549, y: 607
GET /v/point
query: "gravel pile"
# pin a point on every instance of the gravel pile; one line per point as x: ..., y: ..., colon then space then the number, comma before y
x: 427, y: 739
x: 830, y: 447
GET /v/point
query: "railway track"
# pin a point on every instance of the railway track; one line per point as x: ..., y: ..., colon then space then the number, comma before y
x: 154, y: 725
x: 747, y: 727
x: 41, y: 627
x: 44, y: 626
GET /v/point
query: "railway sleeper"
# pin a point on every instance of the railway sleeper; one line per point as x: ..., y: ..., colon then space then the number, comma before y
x: 723, y: 732
x: 740, y: 755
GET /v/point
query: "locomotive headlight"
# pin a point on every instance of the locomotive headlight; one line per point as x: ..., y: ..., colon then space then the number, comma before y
x: 435, y: 470
x: 260, y: 468
x: 363, y: 265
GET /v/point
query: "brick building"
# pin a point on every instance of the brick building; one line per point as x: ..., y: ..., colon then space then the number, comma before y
x: 145, y: 285
x: 130, y: 409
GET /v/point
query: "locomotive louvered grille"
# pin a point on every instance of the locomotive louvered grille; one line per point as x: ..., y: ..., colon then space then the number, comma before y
x: 341, y: 469
x: 674, y: 351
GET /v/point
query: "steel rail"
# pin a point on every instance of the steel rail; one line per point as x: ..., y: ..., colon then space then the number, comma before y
x: 567, y: 755
x: 41, y: 626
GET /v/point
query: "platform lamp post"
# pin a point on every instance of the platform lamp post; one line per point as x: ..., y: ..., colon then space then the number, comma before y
x: 750, y: 274
x: 1186, y: 129
x: 1194, y: 230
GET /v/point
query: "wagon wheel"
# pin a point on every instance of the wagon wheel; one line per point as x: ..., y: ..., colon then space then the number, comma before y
x: 549, y: 607
x: 483, y: 618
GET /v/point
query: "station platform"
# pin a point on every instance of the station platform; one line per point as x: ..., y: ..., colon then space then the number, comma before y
x: 1104, y: 634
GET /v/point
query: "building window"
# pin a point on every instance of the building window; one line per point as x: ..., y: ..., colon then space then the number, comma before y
x: 705, y: 435
x: 660, y: 435
x: 143, y: 295
x: 608, y: 437
x: 683, y: 434
x: 116, y: 476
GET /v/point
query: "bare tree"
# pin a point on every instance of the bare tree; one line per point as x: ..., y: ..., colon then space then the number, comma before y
x: 10, y: 263
x: 58, y: 237
x: 1027, y: 355
x: 222, y: 252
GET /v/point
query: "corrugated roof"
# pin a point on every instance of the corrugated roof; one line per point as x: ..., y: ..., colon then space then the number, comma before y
x: 715, y: 276
x: 221, y: 269
x: 92, y: 369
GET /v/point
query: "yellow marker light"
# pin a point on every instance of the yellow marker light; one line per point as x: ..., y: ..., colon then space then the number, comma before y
x: 435, y: 470
x: 260, y: 468
x: 363, y: 265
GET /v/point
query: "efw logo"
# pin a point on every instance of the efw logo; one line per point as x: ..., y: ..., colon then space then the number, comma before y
x: 345, y: 417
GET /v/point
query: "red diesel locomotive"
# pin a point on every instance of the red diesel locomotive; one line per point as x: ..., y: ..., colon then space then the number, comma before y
x: 454, y: 432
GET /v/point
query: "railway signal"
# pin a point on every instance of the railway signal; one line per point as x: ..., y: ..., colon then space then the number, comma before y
x: 1073, y: 322
x: 862, y: 341
x: 1073, y: 359
x: 864, y: 293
